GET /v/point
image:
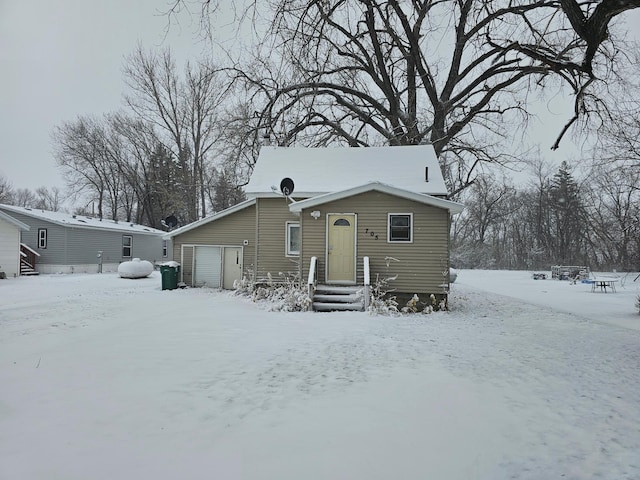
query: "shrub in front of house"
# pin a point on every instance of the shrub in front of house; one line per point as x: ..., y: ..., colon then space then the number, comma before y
x: 283, y: 295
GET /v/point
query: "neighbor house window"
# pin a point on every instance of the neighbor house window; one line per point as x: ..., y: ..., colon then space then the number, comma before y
x: 42, y: 238
x: 400, y: 227
x: 127, y: 246
x: 164, y: 248
x: 293, y: 238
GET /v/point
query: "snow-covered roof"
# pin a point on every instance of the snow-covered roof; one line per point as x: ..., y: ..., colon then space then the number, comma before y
x: 453, y: 207
x: 210, y: 218
x: 14, y: 221
x: 81, y: 221
x: 316, y: 171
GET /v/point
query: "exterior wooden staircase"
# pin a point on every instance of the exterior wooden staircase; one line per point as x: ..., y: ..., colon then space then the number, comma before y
x: 28, y: 260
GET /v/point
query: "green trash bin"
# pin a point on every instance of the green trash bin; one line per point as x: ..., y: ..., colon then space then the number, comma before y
x: 169, y: 273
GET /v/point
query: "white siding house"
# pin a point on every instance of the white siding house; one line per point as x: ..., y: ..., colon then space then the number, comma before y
x: 10, y: 229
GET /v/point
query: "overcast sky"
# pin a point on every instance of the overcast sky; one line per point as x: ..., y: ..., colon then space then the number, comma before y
x: 63, y: 58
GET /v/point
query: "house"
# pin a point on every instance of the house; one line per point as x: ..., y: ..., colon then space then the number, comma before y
x: 58, y: 242
x: 10, y: 229
x: 344, y: 215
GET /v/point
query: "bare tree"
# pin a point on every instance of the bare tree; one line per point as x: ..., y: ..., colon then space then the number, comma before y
x: 456, y: 73
x: 23, y: 197
x: 89, y: 156
x: 184, y: 110
x: 49, y: 198
x: 43, y: 197
x: 6, y: 190
x: 614, y: 216
x: 482, y: 230
x: 156, y: 97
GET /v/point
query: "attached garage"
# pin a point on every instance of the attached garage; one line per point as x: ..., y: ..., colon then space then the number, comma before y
x: 213, y: 266
x: 217, y: 250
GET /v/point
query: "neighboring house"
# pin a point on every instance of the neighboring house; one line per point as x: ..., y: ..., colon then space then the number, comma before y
x: 384, y: 205
x: 10, y: 229
x: 66, y: 243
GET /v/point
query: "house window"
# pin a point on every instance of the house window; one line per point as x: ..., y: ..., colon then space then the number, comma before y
x: 400, y: 227
x: 164, y: 248
x: 293, y: 238
x: 42, y: 238
x: 127, y: 246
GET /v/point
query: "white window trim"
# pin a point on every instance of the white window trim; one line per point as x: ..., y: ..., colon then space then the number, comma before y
x: 288, y: 251
x: 42, y: 239
x: 130, y: 246
x: 404, y: 214
x: 165, y: 248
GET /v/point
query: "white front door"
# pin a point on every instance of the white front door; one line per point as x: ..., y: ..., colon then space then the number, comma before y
x: 232, y: 269
x: 341, y: 248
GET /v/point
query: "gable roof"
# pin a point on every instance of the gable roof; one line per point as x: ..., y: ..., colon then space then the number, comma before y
x: 452, y: 207
x: 8, y: 218
x: 81, y: 221
x: 316, y: 171
x: 211, y: 218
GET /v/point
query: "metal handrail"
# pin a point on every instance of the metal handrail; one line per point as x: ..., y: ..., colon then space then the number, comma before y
x: 367, y: 282
x: 311, y: 281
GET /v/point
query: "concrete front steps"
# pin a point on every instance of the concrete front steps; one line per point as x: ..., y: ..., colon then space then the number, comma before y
x: 329, y: 298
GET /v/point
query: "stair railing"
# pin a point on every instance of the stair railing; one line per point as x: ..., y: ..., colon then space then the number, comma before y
x: 28, y: 258
x: 367, y: 282
x: 311, y: 282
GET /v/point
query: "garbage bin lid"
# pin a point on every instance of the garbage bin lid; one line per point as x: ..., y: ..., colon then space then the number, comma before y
x: 170, y: 264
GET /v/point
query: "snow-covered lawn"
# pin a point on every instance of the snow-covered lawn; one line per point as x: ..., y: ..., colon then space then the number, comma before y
x: 110, y: 378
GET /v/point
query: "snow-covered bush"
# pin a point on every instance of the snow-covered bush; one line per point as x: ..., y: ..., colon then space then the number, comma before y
x: 381, y: 302
x: 412, y: 305
x: 283, y: 295
x: 433, y: 305
x: 246, y: 285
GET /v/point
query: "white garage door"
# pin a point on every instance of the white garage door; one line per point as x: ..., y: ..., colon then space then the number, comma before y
x: 207, y: 270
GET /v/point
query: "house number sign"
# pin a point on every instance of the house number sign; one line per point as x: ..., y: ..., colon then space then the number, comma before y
x: 371, y: 233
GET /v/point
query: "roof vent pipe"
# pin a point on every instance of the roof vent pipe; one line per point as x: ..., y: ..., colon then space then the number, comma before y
x: 426, y: 174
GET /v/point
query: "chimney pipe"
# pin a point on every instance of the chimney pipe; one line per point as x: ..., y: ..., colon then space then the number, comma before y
x: 426, y: 174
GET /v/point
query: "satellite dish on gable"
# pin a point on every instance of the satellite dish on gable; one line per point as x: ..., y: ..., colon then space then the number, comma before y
x: 171, y: 221
x: 286, y: 186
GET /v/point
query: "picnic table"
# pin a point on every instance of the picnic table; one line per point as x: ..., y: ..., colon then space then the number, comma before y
x: 603, y: 283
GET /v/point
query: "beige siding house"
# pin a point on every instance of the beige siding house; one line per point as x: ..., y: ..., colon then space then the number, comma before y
x: 336, y: 217
x: 217, y: 250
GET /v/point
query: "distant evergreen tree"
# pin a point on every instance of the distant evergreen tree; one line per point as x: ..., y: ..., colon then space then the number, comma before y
x: 568, y: 218
x: 164, y: 192
x: 226, y: 193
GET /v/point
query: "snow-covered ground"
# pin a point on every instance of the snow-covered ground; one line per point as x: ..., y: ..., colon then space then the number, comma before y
x: 110, y: 378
